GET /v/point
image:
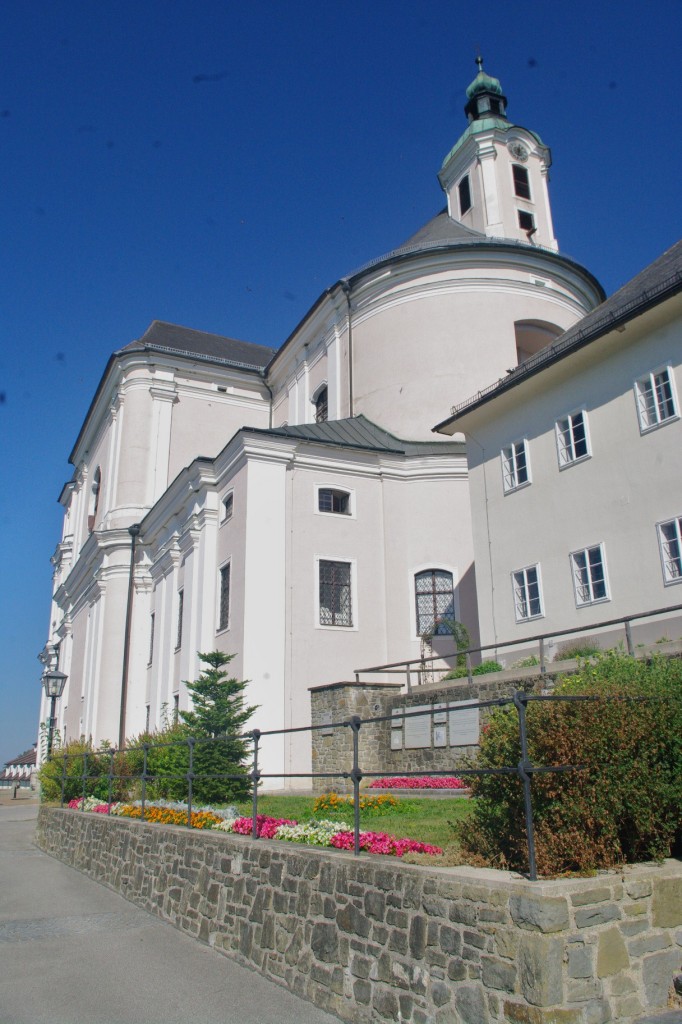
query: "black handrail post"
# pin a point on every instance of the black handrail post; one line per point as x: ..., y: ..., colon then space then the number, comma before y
x: 628, y: 638
x: 145, y: 749
x: 543, y: 663
x: 190, y: 779
x: 520, y: 701
x: 409, y: 677
x: 85, y: 775
x: 255, y: 776
x: 63, y: 777
x: 111, y: 777
x: 470, y: 676
x: 356, y: 776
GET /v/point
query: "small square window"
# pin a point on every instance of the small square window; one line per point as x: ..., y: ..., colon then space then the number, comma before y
x: 515, y: 466
x: 656, y: 399
x: 571, y: 438
x: 227, y: 507
x: 526, y: 221
x: 527, y: 597
x: 670, y: 541
x: 589, y: 575
x: 332, y: 500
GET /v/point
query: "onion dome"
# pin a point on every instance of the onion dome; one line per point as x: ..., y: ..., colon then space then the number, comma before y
x: 484, y: 96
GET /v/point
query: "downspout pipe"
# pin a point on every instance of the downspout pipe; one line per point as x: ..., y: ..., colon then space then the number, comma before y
x: 345, y: 285
x: 134, y: 532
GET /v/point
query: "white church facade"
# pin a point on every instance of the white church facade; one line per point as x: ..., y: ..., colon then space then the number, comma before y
x: 293, y: 507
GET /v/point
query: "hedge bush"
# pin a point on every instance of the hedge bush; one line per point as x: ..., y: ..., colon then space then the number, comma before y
x: 622, y: 805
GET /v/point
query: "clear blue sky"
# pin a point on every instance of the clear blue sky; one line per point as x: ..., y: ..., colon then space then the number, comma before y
x: 218, y: 164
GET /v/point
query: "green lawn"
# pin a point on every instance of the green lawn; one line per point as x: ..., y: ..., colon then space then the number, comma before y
x: 418, y: 818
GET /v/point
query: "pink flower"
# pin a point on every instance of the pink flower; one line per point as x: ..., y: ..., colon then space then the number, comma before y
x: 265, y: 826
x: 419, y: 782
x: 381, y: 842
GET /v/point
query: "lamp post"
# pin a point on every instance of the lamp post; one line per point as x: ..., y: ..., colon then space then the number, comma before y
x: 53, y: 682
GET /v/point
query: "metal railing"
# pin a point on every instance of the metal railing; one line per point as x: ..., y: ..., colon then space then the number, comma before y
x: 524, y: 770
x: 624, y: 621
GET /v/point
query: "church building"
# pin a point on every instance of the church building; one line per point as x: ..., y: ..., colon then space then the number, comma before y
x: 293, y: 507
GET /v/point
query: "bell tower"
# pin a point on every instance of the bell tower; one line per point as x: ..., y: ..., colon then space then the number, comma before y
x: 495, y: 176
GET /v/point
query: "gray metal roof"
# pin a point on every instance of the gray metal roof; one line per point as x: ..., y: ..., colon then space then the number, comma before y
x: 653, y: 285
x: 164, y: 337
x: 359, y: 432
x: 441, y: 228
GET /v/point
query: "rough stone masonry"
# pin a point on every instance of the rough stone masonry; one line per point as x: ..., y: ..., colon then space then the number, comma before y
x: 374, y: 939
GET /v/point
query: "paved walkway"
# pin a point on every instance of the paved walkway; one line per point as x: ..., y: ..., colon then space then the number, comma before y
x: 72, y: 952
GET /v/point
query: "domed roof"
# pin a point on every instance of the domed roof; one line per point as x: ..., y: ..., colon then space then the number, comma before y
x: 484, y: 83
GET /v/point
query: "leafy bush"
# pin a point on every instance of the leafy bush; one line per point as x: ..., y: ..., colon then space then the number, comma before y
x: 77, y: 753
x: 585, y: 648
x: 530, y: 662
x: 623, y: 802
x: 480, y: 670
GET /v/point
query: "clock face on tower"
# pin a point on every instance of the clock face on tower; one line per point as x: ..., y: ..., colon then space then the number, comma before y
x: 518, y: 151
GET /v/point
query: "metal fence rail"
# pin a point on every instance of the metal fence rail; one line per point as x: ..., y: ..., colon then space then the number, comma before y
x: 524, y: 769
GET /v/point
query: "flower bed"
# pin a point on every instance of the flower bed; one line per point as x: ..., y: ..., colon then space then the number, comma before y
x: 419, y: 782
x: 325, y: 832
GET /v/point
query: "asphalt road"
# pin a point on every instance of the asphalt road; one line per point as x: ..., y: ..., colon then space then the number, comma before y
x: 72, y: 952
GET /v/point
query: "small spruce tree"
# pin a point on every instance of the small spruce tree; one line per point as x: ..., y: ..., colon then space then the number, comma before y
x: 219, y: 714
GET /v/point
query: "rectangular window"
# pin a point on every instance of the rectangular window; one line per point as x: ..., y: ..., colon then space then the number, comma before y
x: 335, y: 594
x: 147, y: 717
x: 571, y: 438
x: 515, y: 465
x: 521, y: 182
x: 670, y: 540
x: 228, y: 507
x: 331, y: 500
x: 589, y: 575
x: 464, y: 189
x: 176, y: 708
x: 526, y: 221
x: 527, y: 599
x: 181, y: 604
x: 224, y: 609
x: 656, y: 401
x: 152, y: 618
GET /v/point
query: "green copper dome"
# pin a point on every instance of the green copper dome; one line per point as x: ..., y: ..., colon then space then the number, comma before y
x: 484, y: 83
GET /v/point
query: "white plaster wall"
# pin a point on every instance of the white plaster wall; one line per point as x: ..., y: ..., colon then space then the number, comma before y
x: 616, y: 497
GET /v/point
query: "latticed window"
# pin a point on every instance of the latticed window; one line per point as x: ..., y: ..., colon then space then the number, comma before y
x: 228, y: 507
x: 655, y: 399
x: 322, y: 406
x: 435, y: 599
x: 571, y: 435
x: 181, y: 606
x: 335, y: 594
x: 224, y: 610
x: 670, y: 538
x: 589, y: 575
x: 330, y: 500
x: 527, y: 602
x: 515, y: 465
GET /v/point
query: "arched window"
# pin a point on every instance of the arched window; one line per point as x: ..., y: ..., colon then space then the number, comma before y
x: 435, y: 600
x: 321, y: 405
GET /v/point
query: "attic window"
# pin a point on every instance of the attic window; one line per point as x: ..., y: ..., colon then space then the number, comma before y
x: 521, y: 181
x: 526, y: 221
x: 331, y: 500
x: 464, y: 189
x: 222, y: 388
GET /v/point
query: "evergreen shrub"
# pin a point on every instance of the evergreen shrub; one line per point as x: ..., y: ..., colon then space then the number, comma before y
x: 622, y: 804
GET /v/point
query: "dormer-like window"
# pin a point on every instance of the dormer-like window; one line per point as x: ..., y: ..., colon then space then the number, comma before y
x: 526, y: 221
x: 521, y: 181
x: 322, y: 406
x: 331, y: 500
x: 464, y: 190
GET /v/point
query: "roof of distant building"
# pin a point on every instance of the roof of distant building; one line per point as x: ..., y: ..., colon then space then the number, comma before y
x: 659, y: 281
x: 28, y: 757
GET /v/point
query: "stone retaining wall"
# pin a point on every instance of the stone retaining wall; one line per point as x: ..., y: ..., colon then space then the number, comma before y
x: 374, y: 939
